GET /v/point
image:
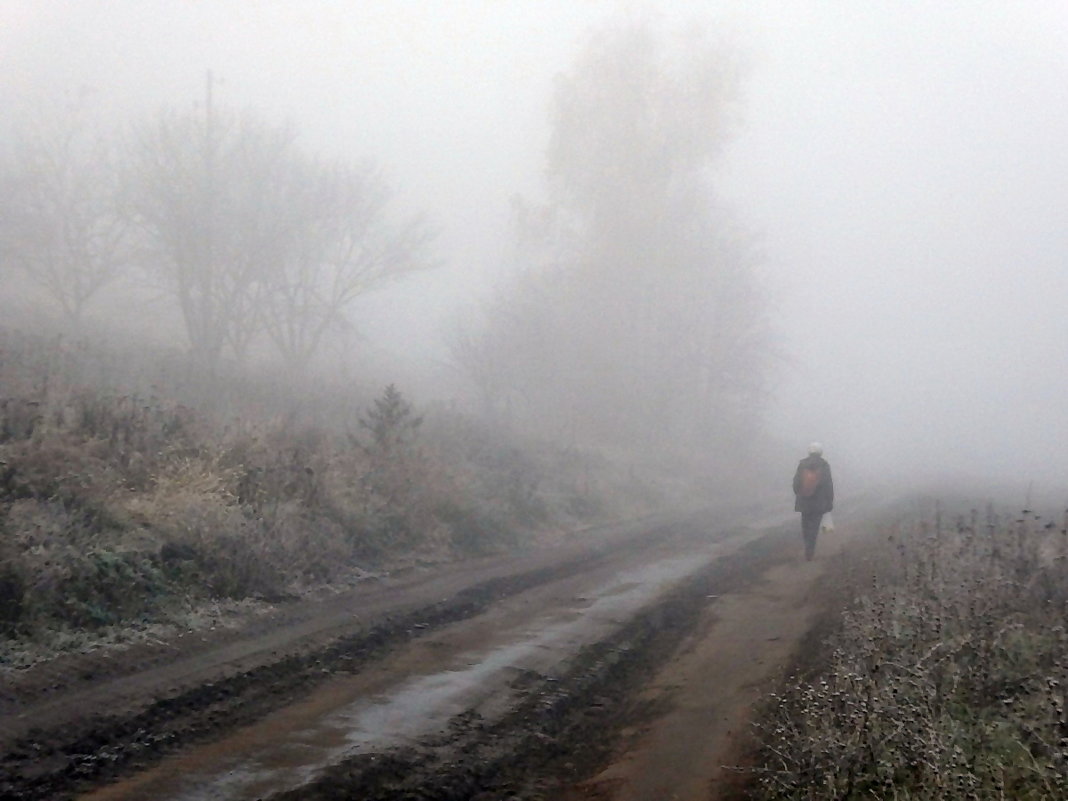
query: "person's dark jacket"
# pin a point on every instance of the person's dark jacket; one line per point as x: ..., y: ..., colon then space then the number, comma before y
x: 822, y: 500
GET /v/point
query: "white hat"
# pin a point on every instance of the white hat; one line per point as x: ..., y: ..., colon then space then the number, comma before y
x: 816, y: 448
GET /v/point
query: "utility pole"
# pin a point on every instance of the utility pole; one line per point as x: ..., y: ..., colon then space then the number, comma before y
x: 209, y: 145
x: 208, y: 317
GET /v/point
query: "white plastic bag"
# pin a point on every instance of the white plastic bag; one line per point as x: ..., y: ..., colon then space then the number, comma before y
x: 827, y: 524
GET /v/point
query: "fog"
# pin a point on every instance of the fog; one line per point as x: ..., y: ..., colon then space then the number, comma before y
x: 901, y: 165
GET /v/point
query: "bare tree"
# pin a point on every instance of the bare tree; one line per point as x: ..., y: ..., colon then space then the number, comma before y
x: 252, y: 236
x: 61, y: 224
x: 204, y: 189
x: 338, y: 245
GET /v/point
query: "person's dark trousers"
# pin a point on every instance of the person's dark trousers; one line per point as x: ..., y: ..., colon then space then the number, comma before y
x: 810, y: 528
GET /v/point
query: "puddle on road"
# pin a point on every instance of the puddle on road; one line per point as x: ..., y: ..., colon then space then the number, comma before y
x: 281, y: 753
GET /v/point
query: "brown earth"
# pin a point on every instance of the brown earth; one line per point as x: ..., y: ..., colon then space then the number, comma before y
x: 620, y: 664
x: 743, y: 645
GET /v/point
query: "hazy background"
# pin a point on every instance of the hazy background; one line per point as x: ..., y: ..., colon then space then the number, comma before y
x: 904, y: 165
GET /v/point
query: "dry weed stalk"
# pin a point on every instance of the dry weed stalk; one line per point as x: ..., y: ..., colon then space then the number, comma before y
x: 947, y: 679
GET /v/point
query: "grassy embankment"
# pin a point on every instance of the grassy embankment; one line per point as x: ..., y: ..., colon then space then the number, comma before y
x: 134, y: 491
x: 946, y: 678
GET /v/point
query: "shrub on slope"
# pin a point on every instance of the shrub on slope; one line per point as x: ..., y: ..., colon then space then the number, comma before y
x: 115, y: 503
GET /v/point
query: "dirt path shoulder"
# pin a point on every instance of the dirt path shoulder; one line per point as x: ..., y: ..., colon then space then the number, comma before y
x: 89, y: 718
x: 622, y: 666
x: 123, y: 680
x: 745, y: 641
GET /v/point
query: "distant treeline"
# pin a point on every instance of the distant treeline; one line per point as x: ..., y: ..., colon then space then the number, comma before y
x: 630, y: 315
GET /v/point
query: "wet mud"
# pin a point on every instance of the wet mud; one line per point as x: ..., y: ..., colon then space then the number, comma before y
x: 88, y: 750
x: 563, y: 728
x: 556, y: 730
x: 55, y: 764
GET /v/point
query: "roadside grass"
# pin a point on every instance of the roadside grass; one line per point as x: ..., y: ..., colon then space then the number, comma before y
x: 946, y: 678
x: 131, y: 495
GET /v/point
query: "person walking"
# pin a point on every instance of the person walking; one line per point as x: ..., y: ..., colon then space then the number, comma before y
x: 813, y: 495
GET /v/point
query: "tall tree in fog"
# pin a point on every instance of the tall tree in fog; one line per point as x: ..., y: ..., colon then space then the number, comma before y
x: 61, y: 223
x: 638, y: 315
x: 254, y: 237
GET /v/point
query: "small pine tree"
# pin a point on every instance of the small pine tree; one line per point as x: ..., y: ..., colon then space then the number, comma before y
x: 395, y: 473
x: 393, y: 426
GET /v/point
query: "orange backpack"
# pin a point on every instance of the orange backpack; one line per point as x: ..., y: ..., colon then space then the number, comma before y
x: 810, y: 481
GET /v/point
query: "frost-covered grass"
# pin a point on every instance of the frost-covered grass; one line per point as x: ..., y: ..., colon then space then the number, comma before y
x: 18, y: 653
x: 123, y: 497
x: 947, y: 678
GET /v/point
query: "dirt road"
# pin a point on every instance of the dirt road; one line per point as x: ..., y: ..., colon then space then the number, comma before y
x: 615, y: 666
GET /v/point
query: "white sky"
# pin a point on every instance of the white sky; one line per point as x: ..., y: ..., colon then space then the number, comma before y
x: 905, y: 164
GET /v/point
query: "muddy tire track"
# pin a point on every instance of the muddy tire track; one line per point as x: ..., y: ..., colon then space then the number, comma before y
x: 58, y: 761
x: 564, y: 727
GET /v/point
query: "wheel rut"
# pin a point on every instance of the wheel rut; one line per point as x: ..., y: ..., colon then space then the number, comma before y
x: 527, y: 722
